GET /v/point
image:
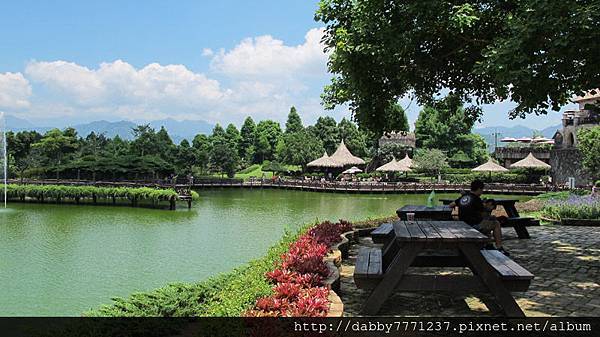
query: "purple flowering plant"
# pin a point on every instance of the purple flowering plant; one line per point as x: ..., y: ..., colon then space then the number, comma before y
x: 573, y: 207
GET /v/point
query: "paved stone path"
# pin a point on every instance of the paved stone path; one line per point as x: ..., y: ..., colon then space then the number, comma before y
x: 565, y: 261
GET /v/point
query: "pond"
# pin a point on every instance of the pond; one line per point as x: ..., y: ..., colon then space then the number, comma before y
x: 61, y: 260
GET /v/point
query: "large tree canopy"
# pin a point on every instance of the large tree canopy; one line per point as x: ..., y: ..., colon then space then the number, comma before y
x: 446, y: 125
x: 537, y: 53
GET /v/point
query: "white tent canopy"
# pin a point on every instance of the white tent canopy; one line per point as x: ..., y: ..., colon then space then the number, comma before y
x: 352, y: 170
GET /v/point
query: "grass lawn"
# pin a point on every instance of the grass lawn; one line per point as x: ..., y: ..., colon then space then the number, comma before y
x: 254, y: 170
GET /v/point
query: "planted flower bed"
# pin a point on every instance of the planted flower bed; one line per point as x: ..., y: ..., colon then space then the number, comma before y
x: 299, y: 287
x: 574, y: 207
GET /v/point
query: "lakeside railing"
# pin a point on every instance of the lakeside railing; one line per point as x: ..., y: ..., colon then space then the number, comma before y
x: 377, y: 187
x: 183, y: 185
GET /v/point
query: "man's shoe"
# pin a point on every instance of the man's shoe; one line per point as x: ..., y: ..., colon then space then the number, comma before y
x: 489, y: 246
x: 501, y: 250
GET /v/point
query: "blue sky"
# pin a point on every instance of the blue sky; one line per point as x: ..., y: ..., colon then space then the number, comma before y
x: 67, y: 62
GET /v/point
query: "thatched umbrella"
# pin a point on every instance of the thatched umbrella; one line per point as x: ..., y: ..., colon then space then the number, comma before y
x: 343, y: 156
x: 531, y: 162
x: 403, y: 165
x: 324, y: 162
x: 396, y: 166
x: 392, y: 166
x: 490, y: 167
x: 406, y: 163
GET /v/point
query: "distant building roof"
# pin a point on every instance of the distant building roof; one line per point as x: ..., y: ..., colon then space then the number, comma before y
x: 592, y: 94
x: 404, y: 138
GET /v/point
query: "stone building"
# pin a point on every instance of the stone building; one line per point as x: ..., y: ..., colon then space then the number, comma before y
x: 565, y: 158
x: 401, y: 138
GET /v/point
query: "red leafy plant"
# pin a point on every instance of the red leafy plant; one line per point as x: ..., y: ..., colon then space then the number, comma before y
x: 298, y: 289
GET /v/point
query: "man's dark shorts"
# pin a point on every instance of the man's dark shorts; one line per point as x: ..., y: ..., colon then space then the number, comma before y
x: 486, y: 226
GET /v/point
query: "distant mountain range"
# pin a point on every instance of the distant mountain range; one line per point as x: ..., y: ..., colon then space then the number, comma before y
x: 178, y: 130
x: 187, y: 129
x: 514, y: 132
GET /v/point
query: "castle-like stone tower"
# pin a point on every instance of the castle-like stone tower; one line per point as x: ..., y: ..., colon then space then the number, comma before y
x: 565, y: 158
x: 573, y: 120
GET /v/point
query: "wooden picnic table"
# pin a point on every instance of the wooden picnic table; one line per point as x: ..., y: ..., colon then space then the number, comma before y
x: 513, y: 218
x: 508, y: 204
x: 492, y: 271
x: 424, y: 212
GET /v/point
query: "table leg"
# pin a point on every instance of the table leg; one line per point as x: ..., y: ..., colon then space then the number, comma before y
x: 511, y: 210
x: 488, y: 276
x: 522, y: 232
x: 393, y: 275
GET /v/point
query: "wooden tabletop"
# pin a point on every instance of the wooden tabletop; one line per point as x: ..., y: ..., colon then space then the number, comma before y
x: 423, y: 209
x: 437, y: 231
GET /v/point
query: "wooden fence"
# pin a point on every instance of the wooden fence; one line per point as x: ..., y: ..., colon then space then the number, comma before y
x: 311, y: 185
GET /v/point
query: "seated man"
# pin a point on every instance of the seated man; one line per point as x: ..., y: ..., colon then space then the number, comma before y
x: 471, y: 209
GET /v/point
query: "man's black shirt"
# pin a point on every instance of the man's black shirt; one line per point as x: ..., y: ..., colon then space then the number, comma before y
x: 470, y: 208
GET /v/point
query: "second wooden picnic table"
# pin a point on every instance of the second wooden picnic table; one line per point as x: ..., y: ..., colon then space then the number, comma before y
x: 424, y: 212
x: 385, y: 269
x: 514, y: 220
x: 507, y: 204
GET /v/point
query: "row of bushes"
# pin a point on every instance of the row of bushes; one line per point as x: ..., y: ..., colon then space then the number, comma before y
x: 230, y: 294
x: 507, y: 178
x: 298, y: 288
x: 60, y: 192
x: 586, y: 207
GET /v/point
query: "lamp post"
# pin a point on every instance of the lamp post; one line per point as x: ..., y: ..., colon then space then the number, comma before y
x: 496, y: 134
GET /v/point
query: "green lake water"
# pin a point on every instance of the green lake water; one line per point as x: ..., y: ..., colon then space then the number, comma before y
x: 62, y: 260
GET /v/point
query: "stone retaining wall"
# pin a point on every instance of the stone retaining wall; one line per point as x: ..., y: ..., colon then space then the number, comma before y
x: 567, y: 163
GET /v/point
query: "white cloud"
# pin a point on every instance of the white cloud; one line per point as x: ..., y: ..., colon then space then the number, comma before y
x: 15, y: 91
x: 265, y: 56
x: 119, y: 81
x: 263, y: 78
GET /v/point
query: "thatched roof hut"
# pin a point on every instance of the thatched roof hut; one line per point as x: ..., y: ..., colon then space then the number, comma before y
x: 343, y: 156
x: 325, y: 162
x: 530, y: 162
x: 490, y: 166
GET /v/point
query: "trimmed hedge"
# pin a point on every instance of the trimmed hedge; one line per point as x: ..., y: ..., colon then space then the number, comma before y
x: 509, y: 178
x: 58, y: 192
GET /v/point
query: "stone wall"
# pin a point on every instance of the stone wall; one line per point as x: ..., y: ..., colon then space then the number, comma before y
x: 567, y: 163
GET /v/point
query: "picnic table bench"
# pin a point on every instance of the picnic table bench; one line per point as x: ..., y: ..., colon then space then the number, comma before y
x: 426, y: 243
x: 513, y: 220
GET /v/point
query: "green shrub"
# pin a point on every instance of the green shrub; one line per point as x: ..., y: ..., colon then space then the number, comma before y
x: 507, y: 178
x: 58, y: 192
